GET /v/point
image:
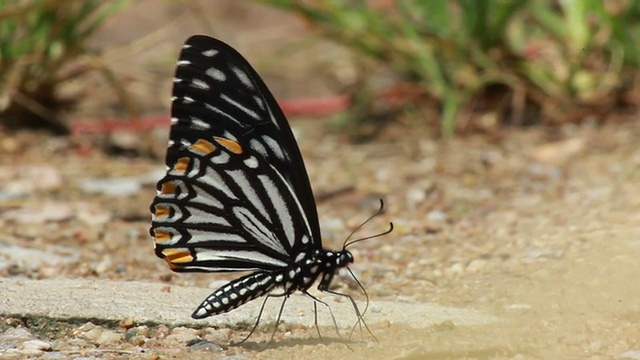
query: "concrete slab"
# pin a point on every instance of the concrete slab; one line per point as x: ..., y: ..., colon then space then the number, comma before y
x: 150, y: 302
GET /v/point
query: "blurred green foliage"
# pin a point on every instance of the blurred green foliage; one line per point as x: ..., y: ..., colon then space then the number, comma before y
x: 560, y: 60
x: 38, y: 38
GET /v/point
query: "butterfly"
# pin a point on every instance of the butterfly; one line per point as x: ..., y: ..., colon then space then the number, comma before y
x: 236, y: 195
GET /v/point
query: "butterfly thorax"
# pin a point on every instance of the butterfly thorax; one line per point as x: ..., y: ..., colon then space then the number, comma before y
x: 311, y: 265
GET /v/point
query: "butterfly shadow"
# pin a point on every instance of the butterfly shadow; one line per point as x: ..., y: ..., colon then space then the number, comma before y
x: 293, y: 342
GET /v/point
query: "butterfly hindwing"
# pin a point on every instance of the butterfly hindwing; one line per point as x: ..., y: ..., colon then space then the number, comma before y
x: 236, y: 195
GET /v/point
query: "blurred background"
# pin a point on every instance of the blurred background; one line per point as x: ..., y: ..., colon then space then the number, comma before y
x: 444, y: 67
x: 502, y: 135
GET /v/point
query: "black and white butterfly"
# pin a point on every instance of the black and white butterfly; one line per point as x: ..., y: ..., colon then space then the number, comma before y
x: 236, y: 195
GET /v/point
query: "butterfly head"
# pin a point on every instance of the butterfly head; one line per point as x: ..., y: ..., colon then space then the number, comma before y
x: 345, y: 257
x: 334, y: 259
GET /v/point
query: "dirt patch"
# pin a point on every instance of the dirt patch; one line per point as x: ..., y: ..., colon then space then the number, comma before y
x: 550, y: 250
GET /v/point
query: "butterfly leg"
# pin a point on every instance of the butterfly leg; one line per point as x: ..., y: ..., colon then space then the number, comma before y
x: 275, y: 328
x: 315, y: 318
x: 255, y: 326
x: 358, y: 314
x: 316, y: 300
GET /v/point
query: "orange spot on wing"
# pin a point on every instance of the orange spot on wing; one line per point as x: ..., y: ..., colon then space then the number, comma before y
x: 161, y: 236
x: 230, y: 145
x: 168, y: 188
x: 176, y: 257
x: 181, y: 165
x: 162, y: 211
x: 203, y: 147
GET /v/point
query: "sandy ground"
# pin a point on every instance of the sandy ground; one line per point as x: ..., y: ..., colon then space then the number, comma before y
x: 548, y: 249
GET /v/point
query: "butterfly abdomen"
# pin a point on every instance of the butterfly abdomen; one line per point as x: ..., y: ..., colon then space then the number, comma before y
x: 237, y: 293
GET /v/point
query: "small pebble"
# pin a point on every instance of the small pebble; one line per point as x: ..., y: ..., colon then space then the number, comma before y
x: 109, y: 337
x: 631, y: 354
x: 205, y: 345
x: 446, y: 325
x: 15, y: 335
x: 138, y: 330
x: 544, y: 253
x: 103, y: 266
x: 476, y: 265
x: 455, y: 270
x: 91, y: 335
x: 36, y: 345
x: 111, y: 186
x: 183, y: 335
x: 415, y: 196
x: 518, y: 307
x: 436, y: 216
x: 127, y: 323
x: 161, y: 332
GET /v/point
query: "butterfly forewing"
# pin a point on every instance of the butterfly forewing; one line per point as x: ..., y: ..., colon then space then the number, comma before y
x: 236, y: 195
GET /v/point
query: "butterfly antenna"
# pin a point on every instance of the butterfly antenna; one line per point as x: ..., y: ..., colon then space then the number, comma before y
x: 344, y: 246
x: 372, y: 236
